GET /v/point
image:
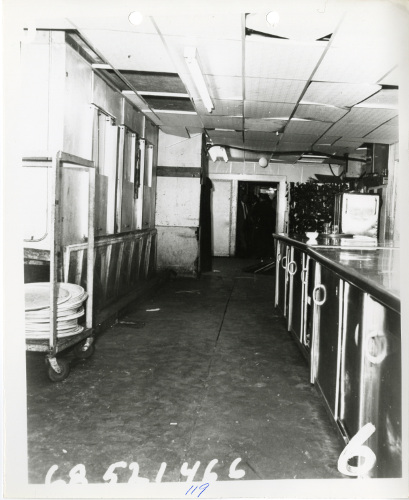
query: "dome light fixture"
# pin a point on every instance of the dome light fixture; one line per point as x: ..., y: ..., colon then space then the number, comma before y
x: 273, y: 18
x: 135, y: 18
x: 263, y: 162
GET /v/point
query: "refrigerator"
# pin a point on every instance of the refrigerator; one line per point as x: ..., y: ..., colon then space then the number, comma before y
x: 357, y: 213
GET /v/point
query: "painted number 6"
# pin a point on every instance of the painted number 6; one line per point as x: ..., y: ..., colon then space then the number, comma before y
x: 356, y: 448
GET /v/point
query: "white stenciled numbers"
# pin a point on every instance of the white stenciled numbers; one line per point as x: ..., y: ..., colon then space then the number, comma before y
x: 77, y: 474
x: 110, y: 475
x: 356, y: 448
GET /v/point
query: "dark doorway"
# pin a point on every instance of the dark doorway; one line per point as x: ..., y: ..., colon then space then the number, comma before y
x: 256, y: 219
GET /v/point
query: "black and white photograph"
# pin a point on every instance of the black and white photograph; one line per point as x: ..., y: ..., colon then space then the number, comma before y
x: 204, y: 239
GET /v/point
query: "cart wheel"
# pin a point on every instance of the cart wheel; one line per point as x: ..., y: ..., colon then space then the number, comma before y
x: 80, y: 353
x: 58, y: 377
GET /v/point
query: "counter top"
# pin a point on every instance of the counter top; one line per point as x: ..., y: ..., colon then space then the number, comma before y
x: 374, y: 269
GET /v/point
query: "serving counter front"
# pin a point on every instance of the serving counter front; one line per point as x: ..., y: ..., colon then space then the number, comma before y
x: 341, y: 301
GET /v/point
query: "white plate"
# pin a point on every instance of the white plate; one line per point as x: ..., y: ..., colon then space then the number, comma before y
x: 37, y: 295
x: 46, y: 335
x: 66, y: 317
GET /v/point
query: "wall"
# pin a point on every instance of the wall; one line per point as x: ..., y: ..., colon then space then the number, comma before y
x: 178, y: 202
x: 67, y: 107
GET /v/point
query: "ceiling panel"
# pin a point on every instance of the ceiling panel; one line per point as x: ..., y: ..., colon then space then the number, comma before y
x: 327, y: 140
x: 373, y: 116
x: 277, y: 158
x: 264, y: 125
x: 262, y: 136
x: 294, y: 146
x: 226, y: 122
x: 346, y: 145
x: 225, y: 87
x: 344, y: 129
x: 216, y: 57
x: 332, y: 150
x: 144, y: 81
x: 385, y: 98
x: 271, y: 89
x: 169, y: 103
x: 319, y: 113
x: 194, y: 130
x: 282, y: 59
x: 310, y: 24
x: 367, y: 24
x: 305, y: 138
x: 112, y: 23
x: 217, y: 135
x: 394, y: 121
x: 356, y: 66
x: 338, y: 94
x: 254, y: 109
x: 137, y: 101
x: 202, y: 25
x: 179, y: 120
x: 178, y: 131
x: 386, y: 134
x: 123, y: 50
x: 392, y: 78
x: 221, y: 108
x: 307, y: 127
x: 349, y: 142
x: 259, y: 145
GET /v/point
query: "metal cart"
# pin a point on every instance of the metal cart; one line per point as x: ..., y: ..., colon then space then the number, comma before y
x: 58, y: 369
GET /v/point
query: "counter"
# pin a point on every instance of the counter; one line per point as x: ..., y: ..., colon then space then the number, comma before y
x: 373, y: 269
x: 340, y: 298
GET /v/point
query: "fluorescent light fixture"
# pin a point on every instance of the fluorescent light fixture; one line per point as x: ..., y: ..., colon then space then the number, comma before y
x: 163, y: 94
x: 192, y: 62
x: 218, y: 152
x: 174, y: 112
x: 305, y: 159
x: 306, y: 155
x: 101, y: 66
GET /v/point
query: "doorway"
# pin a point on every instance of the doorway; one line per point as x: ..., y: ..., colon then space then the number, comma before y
x: 256, y: 218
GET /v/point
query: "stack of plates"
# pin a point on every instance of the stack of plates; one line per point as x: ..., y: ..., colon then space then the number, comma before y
x: 70, y: 299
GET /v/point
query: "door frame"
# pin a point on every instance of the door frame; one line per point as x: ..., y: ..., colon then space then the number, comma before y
x: 281, y: 181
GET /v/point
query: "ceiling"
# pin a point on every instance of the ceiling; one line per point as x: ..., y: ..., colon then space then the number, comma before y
x: 323, y: 79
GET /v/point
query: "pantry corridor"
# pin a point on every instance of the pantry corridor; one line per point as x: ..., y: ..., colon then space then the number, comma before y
x: 203, y: 369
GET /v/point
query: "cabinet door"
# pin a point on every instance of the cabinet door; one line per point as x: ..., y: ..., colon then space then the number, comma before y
x: 352, y: 345
x: 327, y: 309
x: 295, y: 304
x: 282, y: 277
x: 381, y: 387
x: 308, y: 274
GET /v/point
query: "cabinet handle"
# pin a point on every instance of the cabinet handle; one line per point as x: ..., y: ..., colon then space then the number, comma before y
x: 284, y: 266
x: 292, y: 267
x: 376, y: 347
x: 315, y: 292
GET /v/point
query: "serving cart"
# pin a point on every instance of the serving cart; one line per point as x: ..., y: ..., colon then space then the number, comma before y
x: 58, y: 368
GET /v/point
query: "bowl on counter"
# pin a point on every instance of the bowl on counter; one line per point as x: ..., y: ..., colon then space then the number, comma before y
x: 311, y: 235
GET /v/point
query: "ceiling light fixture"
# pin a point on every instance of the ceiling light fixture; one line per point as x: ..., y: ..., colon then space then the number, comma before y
x: 135, y: 18
x: 263, y: 162
x: 273, y: 18
x: 192, y: 62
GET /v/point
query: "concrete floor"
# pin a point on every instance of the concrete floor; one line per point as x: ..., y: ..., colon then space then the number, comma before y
x: 212, y: 374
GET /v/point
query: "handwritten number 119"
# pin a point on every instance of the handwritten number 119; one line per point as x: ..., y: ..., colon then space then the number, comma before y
x: 202, y: 488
